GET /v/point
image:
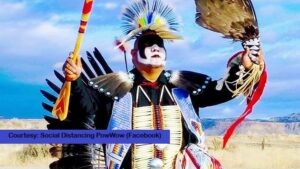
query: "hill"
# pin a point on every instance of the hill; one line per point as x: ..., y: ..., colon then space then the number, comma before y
x: 276, y: 125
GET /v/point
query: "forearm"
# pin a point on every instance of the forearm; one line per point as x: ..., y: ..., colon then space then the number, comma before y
x: 212, y: 95
x: 219, y: 91
x: 87, y: 98
x: 84, y: 104
x: 248, y: 74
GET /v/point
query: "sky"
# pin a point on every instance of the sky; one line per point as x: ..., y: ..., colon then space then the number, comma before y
x: 37, y: 35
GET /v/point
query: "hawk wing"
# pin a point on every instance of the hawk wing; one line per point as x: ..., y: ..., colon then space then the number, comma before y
x: 76, y: 155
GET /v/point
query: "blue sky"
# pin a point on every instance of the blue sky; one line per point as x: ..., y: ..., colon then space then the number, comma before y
x: 37, y: 35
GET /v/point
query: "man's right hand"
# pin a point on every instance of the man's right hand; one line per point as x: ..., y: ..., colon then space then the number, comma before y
x: 72, y: 70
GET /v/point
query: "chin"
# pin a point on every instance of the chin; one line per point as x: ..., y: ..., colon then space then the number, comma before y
x: 157, y: 63
x: 151, y: 66
x: 157, y: 66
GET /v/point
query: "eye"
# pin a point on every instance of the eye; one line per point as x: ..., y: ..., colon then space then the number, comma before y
x: 147, y: 44
x: 160, y: 44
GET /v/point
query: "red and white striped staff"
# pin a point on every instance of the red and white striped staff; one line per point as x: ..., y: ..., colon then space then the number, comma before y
x: 61, y: 106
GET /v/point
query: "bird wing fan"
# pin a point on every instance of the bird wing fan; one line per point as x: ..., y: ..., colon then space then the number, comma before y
x: 235, y: 19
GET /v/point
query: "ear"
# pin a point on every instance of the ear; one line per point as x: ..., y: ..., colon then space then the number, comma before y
x: 134, y: 53
x: 166, y: 53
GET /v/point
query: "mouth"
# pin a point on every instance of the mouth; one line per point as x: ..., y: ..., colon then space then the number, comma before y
x: 155, y: 56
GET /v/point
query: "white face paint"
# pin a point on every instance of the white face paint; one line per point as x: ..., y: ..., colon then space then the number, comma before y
x: 155, y: 56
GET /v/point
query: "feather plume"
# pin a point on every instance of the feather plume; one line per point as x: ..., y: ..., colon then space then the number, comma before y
x: 94, y: 64
x: 47, y: 107
x: 102, y: 61
x: 122, y: 47
x: 59, y: 76
x: 53, y: 86
x: 68, y: 153
x: 195, y: 83
x: 49, y: 96
x: 235, y: 19
x: 98, y: 65
x: 114, y: 85
x: 56, y: 151
x: 142, y: 15
x: 85, y: 78
x: 87, y: 69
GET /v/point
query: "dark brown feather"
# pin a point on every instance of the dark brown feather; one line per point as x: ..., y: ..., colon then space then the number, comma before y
x: 235, y: 19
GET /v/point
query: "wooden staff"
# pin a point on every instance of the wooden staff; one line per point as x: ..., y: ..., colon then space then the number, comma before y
x: 61, y: 106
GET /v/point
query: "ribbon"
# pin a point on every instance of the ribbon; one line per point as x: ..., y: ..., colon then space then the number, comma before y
x: 255, y: 97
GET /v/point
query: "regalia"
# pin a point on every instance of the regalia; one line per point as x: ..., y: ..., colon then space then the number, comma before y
x: 104, y: 99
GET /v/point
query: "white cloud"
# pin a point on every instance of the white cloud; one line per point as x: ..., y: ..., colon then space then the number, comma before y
x: 107, y: 5
x: 276, y: 2
x: 270, y: 36
x: 180, y: 5
x: 31, y: 36
x: 282, y: 88
x: 58, y: 65
x: 227, y: 111
x: 35, y: 40
x: 65, y: 17
x: 10, y: 10
x: 271, y: 10
x: 29, y: 44
x: 110, y: 5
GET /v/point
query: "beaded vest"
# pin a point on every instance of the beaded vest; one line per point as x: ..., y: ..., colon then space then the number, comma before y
x: 124, y: 117
x: 157, y: 117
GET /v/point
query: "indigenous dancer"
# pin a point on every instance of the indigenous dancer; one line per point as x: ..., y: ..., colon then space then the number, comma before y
x: 146, y: 97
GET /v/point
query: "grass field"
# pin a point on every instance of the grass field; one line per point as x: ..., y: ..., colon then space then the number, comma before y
x: 257, y: 152
x: 242, y: 151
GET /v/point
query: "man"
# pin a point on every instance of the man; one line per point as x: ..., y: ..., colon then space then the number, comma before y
x: 150, y: 97
x: 149, y: 58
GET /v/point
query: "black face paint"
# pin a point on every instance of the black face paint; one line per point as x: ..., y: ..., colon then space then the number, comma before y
x: 147, y: 41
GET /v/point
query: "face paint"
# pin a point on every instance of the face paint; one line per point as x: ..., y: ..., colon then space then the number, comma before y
x: 151, y: 50
x: 153, y: 55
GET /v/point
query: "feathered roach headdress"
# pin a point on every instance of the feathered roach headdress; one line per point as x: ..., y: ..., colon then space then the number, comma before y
x: 141, y: 16
x: 236, y: 20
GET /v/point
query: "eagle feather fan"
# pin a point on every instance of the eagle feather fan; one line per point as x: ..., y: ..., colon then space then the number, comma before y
x: 235, y: 19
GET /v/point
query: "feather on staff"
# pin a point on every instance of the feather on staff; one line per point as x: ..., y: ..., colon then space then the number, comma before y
x: 236, y: 20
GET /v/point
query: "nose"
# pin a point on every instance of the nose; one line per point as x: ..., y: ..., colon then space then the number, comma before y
x: 155, y: 48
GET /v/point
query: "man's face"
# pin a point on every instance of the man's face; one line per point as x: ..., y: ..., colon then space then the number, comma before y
x: 151, y: 51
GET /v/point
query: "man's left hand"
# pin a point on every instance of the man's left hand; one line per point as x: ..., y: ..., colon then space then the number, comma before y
x: 246, y: 61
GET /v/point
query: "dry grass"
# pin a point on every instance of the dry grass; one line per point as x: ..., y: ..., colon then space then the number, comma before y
x: 258, y: 152
x: 242, y: 152
x: 19, y: 124
x: 22, y: 155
